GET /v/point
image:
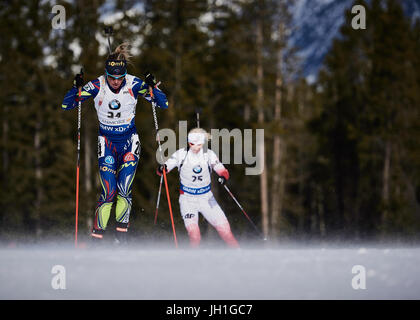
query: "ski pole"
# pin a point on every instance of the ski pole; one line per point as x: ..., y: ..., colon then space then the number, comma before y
x: 108, y: 32
x: 79, y: 124
x: 164, y: 171
x: 158, y: 197
x: 197, y: 111
x: 159, y: 193
x: 243, y: 211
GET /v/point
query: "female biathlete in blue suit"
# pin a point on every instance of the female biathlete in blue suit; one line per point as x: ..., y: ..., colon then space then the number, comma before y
x: 115, y: 96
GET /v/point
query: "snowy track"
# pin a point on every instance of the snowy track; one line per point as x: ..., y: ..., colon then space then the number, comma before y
x: 294, y: 272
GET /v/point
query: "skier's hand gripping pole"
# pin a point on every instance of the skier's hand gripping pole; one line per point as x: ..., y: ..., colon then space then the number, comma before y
x: 161, y: 154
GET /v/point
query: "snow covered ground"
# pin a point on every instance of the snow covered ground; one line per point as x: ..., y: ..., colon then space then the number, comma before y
x: 254, y: 272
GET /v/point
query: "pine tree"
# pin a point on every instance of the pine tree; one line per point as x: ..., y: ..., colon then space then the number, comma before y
x: 368, y: 91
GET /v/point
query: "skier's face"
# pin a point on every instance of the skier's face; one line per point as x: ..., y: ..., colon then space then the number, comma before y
x: 195, y: 147
x: 115, y: 83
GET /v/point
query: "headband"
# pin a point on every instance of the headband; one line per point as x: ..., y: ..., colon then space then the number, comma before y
x: 116, y: 67
x: 196, y: 138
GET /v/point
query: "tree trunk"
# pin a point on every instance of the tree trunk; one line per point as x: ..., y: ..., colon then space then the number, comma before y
x: 385, y: 186
x: 175, y: 98
x: 260, y: 148
x: 5, y: 160
x: 38, y: 177
x: 247, y: 113
x: 5, y: 155
x: 276, y: 192
x: 320, y: 209
x: 178, y: 78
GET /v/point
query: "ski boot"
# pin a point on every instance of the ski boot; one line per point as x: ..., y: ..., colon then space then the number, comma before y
x: 97, y: 237
x: 121, y: 234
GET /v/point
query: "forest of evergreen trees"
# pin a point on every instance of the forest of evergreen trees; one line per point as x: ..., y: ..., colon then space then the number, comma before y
x: 341, y: 157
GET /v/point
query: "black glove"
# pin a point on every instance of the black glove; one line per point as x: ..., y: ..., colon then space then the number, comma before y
x: 160, y: 169
x: 150, y: 79
x: 221, y: 180
x: 78, y: 80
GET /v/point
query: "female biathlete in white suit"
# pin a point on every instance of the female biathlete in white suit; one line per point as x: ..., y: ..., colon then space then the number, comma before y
x: 195, y: 166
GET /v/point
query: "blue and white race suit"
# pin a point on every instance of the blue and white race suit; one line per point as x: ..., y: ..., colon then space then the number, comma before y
x: 118, y: 142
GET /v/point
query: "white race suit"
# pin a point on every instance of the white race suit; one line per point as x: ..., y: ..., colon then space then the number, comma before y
x: 196, y: 195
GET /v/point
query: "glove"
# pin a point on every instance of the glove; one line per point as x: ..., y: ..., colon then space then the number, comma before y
x: 150, y: 79
x: 78, y: 80
x: 221, y: 180
x: 159, y: 170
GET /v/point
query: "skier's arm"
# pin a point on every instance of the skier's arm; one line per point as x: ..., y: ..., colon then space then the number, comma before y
x: 141, y: 88
x: 172, y: 162
x: 71, y: 98
x: 217, y: 166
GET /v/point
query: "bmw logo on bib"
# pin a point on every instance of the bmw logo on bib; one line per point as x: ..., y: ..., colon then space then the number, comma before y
x: 114, y: 105
x: 197, y: 169
x: 109, y: 160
